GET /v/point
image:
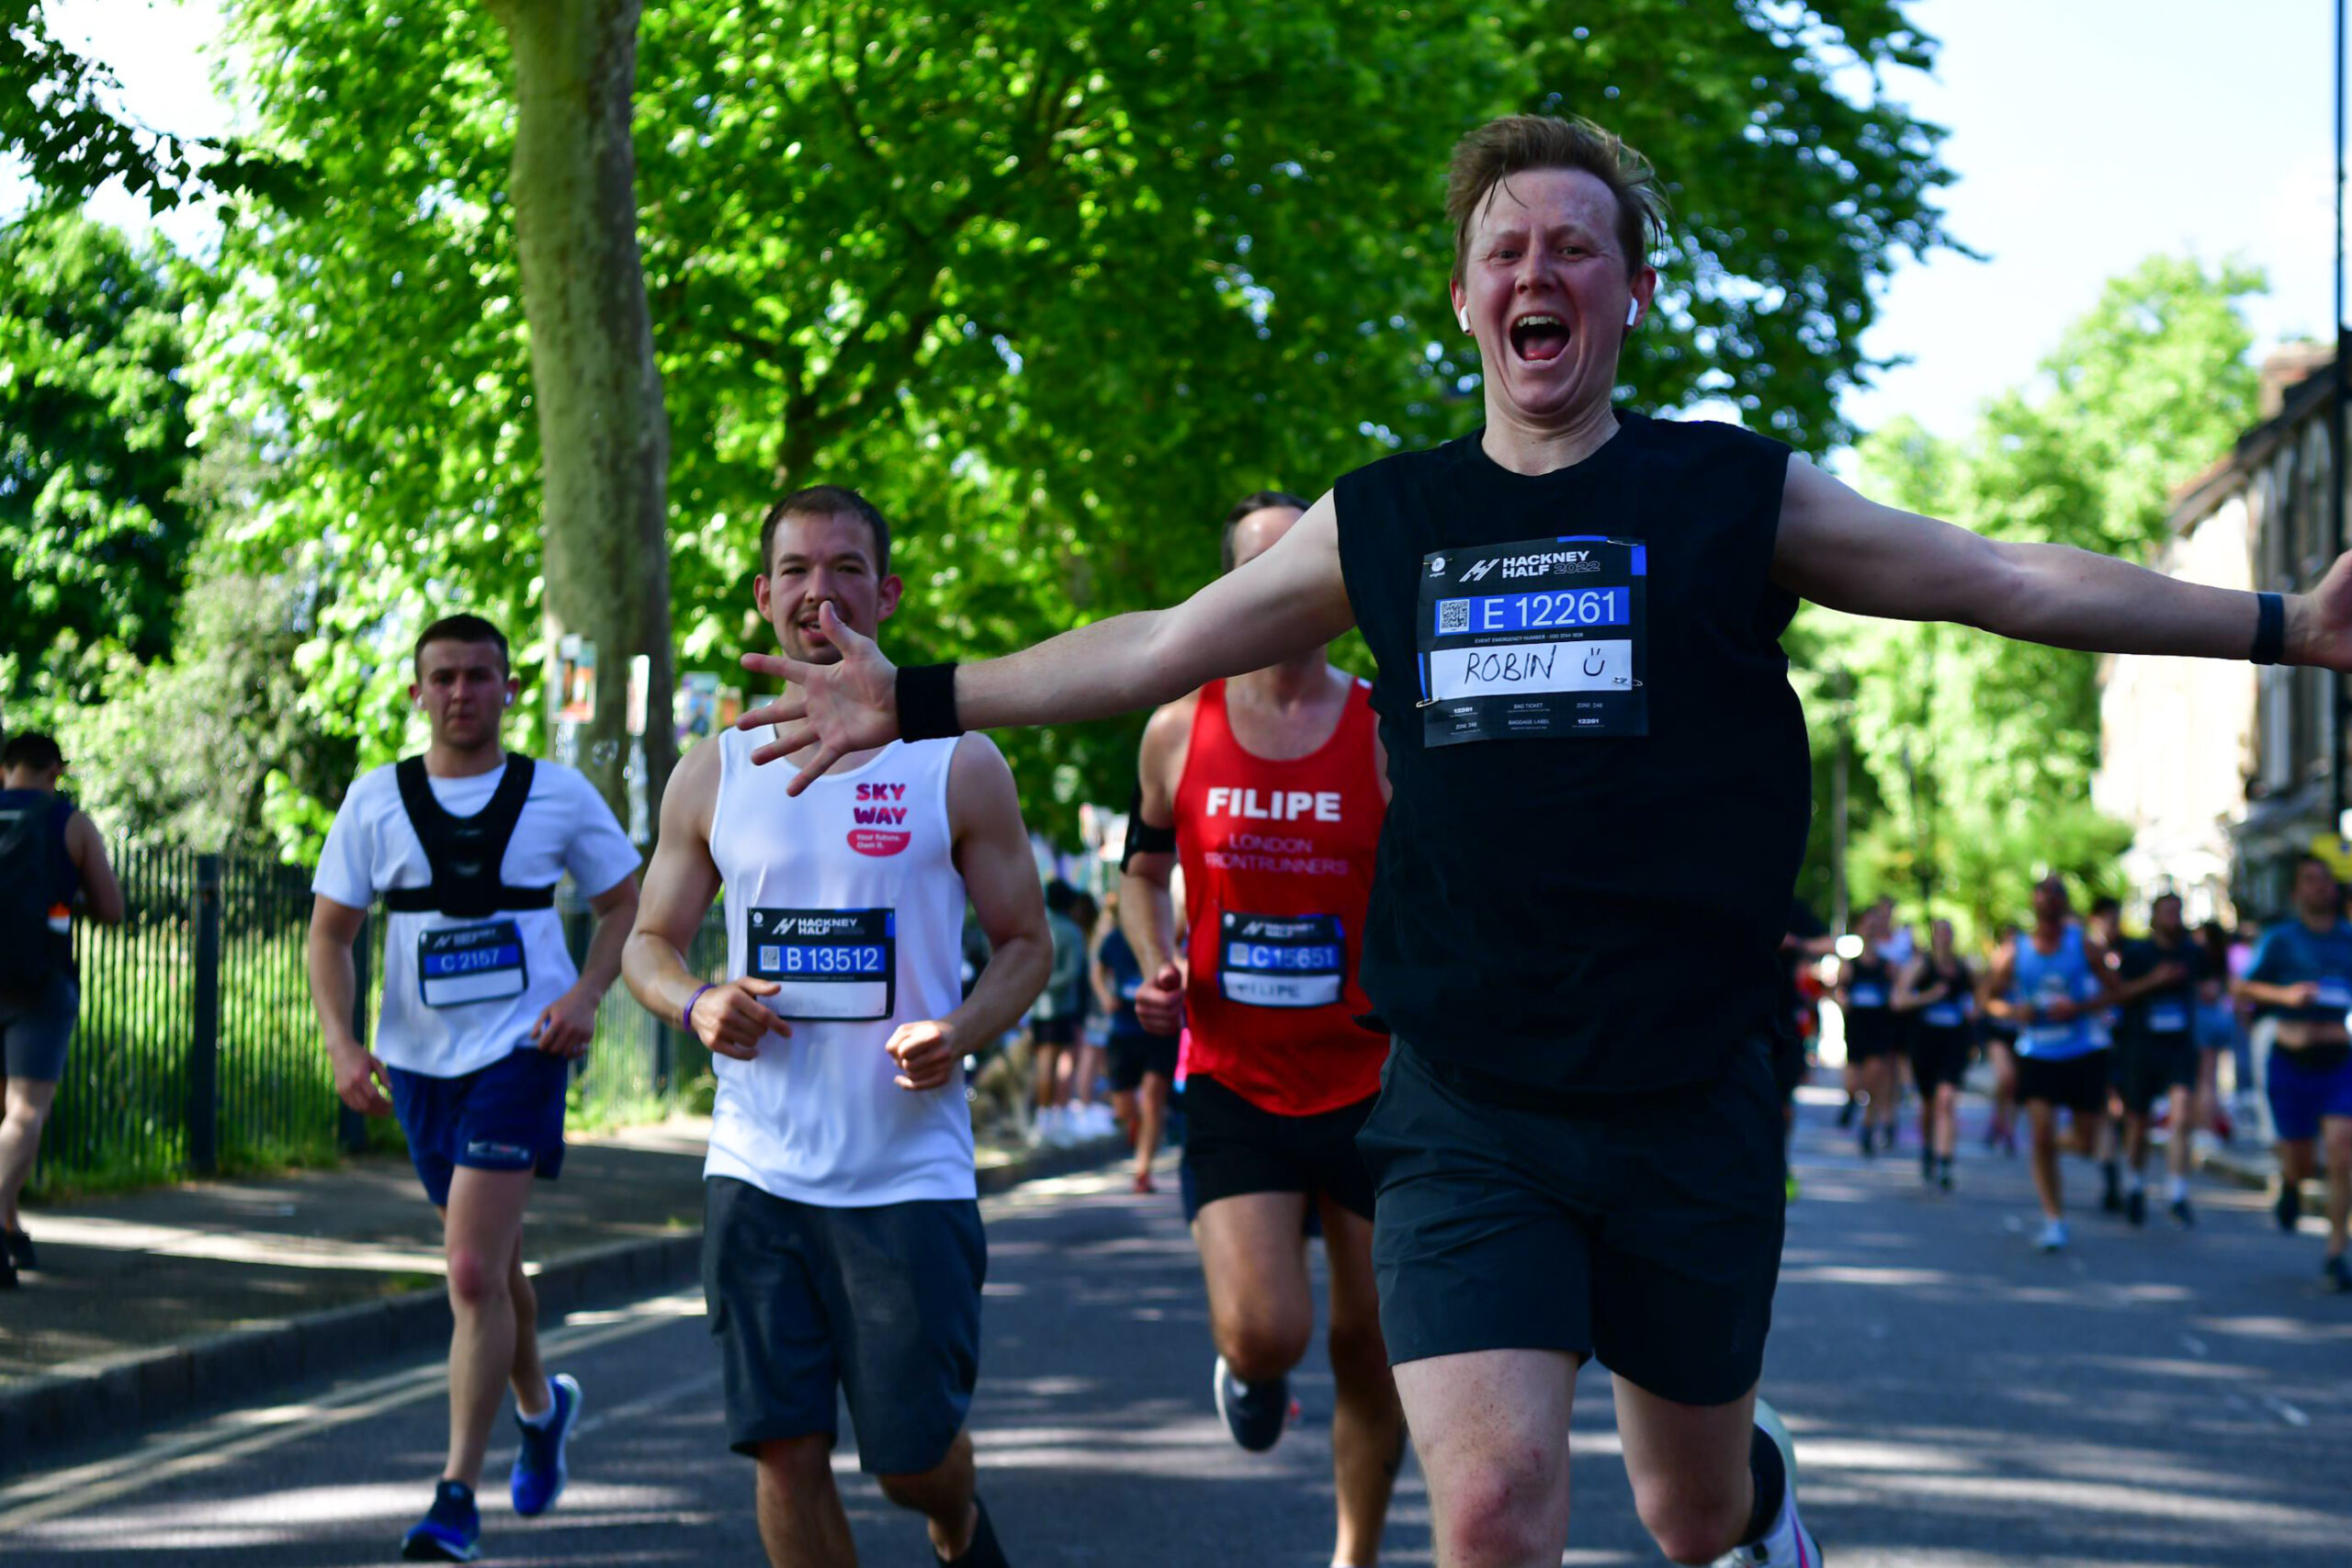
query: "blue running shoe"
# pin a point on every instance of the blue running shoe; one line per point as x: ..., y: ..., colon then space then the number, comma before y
x: 1255, y: 1412
x: 539, y: 1468
x: 451, y: 1532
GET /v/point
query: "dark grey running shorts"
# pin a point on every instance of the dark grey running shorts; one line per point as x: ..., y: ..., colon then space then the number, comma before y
x: 37, y: 1032
x: 1642, y: 1230
x: 881, y: 1305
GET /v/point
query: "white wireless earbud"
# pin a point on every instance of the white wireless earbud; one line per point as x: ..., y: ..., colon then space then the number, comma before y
x: 1463, y: 317
x: 506, y: 699
x: 1632, y: 311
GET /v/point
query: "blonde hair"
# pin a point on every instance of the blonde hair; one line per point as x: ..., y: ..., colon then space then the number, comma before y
x: 1517, y: 142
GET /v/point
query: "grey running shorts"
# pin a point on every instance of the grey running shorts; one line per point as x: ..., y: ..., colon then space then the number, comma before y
x: 880, y: 1304
x: 35, y: 1034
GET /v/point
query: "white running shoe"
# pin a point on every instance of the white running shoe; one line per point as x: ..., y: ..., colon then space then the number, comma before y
x: 1787, y: 1544
x: 2053, y: 1237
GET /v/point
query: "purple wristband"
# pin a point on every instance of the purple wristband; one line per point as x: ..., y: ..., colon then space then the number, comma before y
x: 687, y: 1017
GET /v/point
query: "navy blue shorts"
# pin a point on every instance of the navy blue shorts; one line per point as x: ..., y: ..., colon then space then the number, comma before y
x: 506, y: 1116
x: 2301, y: 1096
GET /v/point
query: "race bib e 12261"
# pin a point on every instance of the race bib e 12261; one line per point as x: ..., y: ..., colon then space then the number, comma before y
x: 1540, y: 639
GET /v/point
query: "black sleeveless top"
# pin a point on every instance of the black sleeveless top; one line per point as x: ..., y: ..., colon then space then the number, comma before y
x: 1596, y: 912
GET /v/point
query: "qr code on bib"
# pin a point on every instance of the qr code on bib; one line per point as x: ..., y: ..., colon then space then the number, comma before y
x: 1452, y: 615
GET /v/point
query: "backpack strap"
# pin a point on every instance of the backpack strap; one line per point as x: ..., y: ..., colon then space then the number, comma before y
x: 466, y: 854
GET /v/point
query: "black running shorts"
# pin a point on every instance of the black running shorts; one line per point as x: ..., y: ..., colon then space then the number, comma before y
x: 1233, y: 1147
x: 880, y: 1305
x: 1133, y: 1056
x: 2079, y: 1084
x: 1938, y: 1056
x: 2150, y: 1066
x: 1643, y: 1230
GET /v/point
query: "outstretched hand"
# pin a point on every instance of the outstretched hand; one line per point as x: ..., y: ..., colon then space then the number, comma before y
x: 2318, y: 624
x: 849, y: 706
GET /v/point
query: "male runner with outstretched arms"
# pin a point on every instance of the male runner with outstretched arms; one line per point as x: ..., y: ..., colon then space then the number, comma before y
x: 1599, y: 800
x: 482, y: 1015
x: 842, y: 1245
x: 1268, y: 789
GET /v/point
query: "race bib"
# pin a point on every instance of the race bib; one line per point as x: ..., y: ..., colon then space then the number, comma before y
x: 1280, y: 961
x: 829, y: 966
x: 1863, y: 996
x: 2168, y: 1017
x: 2334, y: 994
x: 458, y: 965
x: 1535, y: 640
x: 1944, y: 1015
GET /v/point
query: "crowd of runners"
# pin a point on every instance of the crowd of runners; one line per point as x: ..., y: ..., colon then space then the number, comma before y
x: 2205, y: 1036
x: 1480, y: 970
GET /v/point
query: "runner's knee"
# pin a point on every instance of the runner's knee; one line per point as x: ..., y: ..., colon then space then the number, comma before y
x: 1261, y: 1344
x: 1690, y: 1522
x: 478, y: 1279
x: 791, y: 1469
x: 1507, y: 1512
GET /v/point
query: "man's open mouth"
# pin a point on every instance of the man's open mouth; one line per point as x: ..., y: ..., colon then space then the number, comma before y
x: 1539, y: 337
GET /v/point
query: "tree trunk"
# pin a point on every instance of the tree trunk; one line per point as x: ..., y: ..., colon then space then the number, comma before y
x: 604, y: 441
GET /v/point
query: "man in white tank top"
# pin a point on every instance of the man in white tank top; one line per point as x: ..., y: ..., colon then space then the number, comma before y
x: 840, y: 1173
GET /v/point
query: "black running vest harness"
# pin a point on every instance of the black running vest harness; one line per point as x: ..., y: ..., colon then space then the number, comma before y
x: 466, y: 853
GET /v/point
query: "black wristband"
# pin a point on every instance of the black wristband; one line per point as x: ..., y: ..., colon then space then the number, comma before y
x: 1145, y: 838
x: 927, y: 703
x: 2269, y: 628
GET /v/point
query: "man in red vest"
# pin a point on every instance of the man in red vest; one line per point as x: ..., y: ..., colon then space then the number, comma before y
x: 1268, y: 789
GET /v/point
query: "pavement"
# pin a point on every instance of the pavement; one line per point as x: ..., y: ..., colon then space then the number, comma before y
x: 154, y: 1305
x: 2150, y: 1399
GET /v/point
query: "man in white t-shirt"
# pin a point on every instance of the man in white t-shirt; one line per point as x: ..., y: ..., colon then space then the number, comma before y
x: 483, y: 1013
x: 841, y: 1247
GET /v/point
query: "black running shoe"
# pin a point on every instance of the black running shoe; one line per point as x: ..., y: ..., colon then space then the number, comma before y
x: 2336, y: 1275
x: 2183, y: 1215
x: 1943, y: 1175
x: 8, y: 1273
x: 1928, y: 1164
x: 982, y: 1551
x: 1846, y: 1114
x: 20, y: 1249
x: 1867, y: 1141
x: 2135, y: 1206
x: 2110, y: 1198
x: 2289, y: 1206
x: 1255, y: 1412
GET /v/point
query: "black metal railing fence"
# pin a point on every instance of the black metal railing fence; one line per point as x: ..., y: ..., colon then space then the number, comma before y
x: 198, y: 1049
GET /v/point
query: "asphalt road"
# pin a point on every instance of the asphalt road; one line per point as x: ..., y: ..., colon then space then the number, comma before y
x: 2150, y: 1399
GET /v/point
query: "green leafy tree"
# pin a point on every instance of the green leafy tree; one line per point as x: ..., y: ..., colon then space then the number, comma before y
x: 1982, y: 750
x: 95, y: 445
x: 1051, y: 281
x: 54, y: 115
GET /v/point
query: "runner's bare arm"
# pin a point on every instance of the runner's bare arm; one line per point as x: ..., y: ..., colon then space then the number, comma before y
x: 1283, y: 603
x: 1907, y: 996
x: 1000, y: 878
x: 1837, y: 548
x: 101, y: 894
x: 680, y: 882
x: 1993, y: 995
x: 1147, y: 910
x: 335, y: 991
x: 566, y: 1026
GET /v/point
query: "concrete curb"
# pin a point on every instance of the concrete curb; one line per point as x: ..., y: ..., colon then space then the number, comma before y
x: 115, y: 1396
